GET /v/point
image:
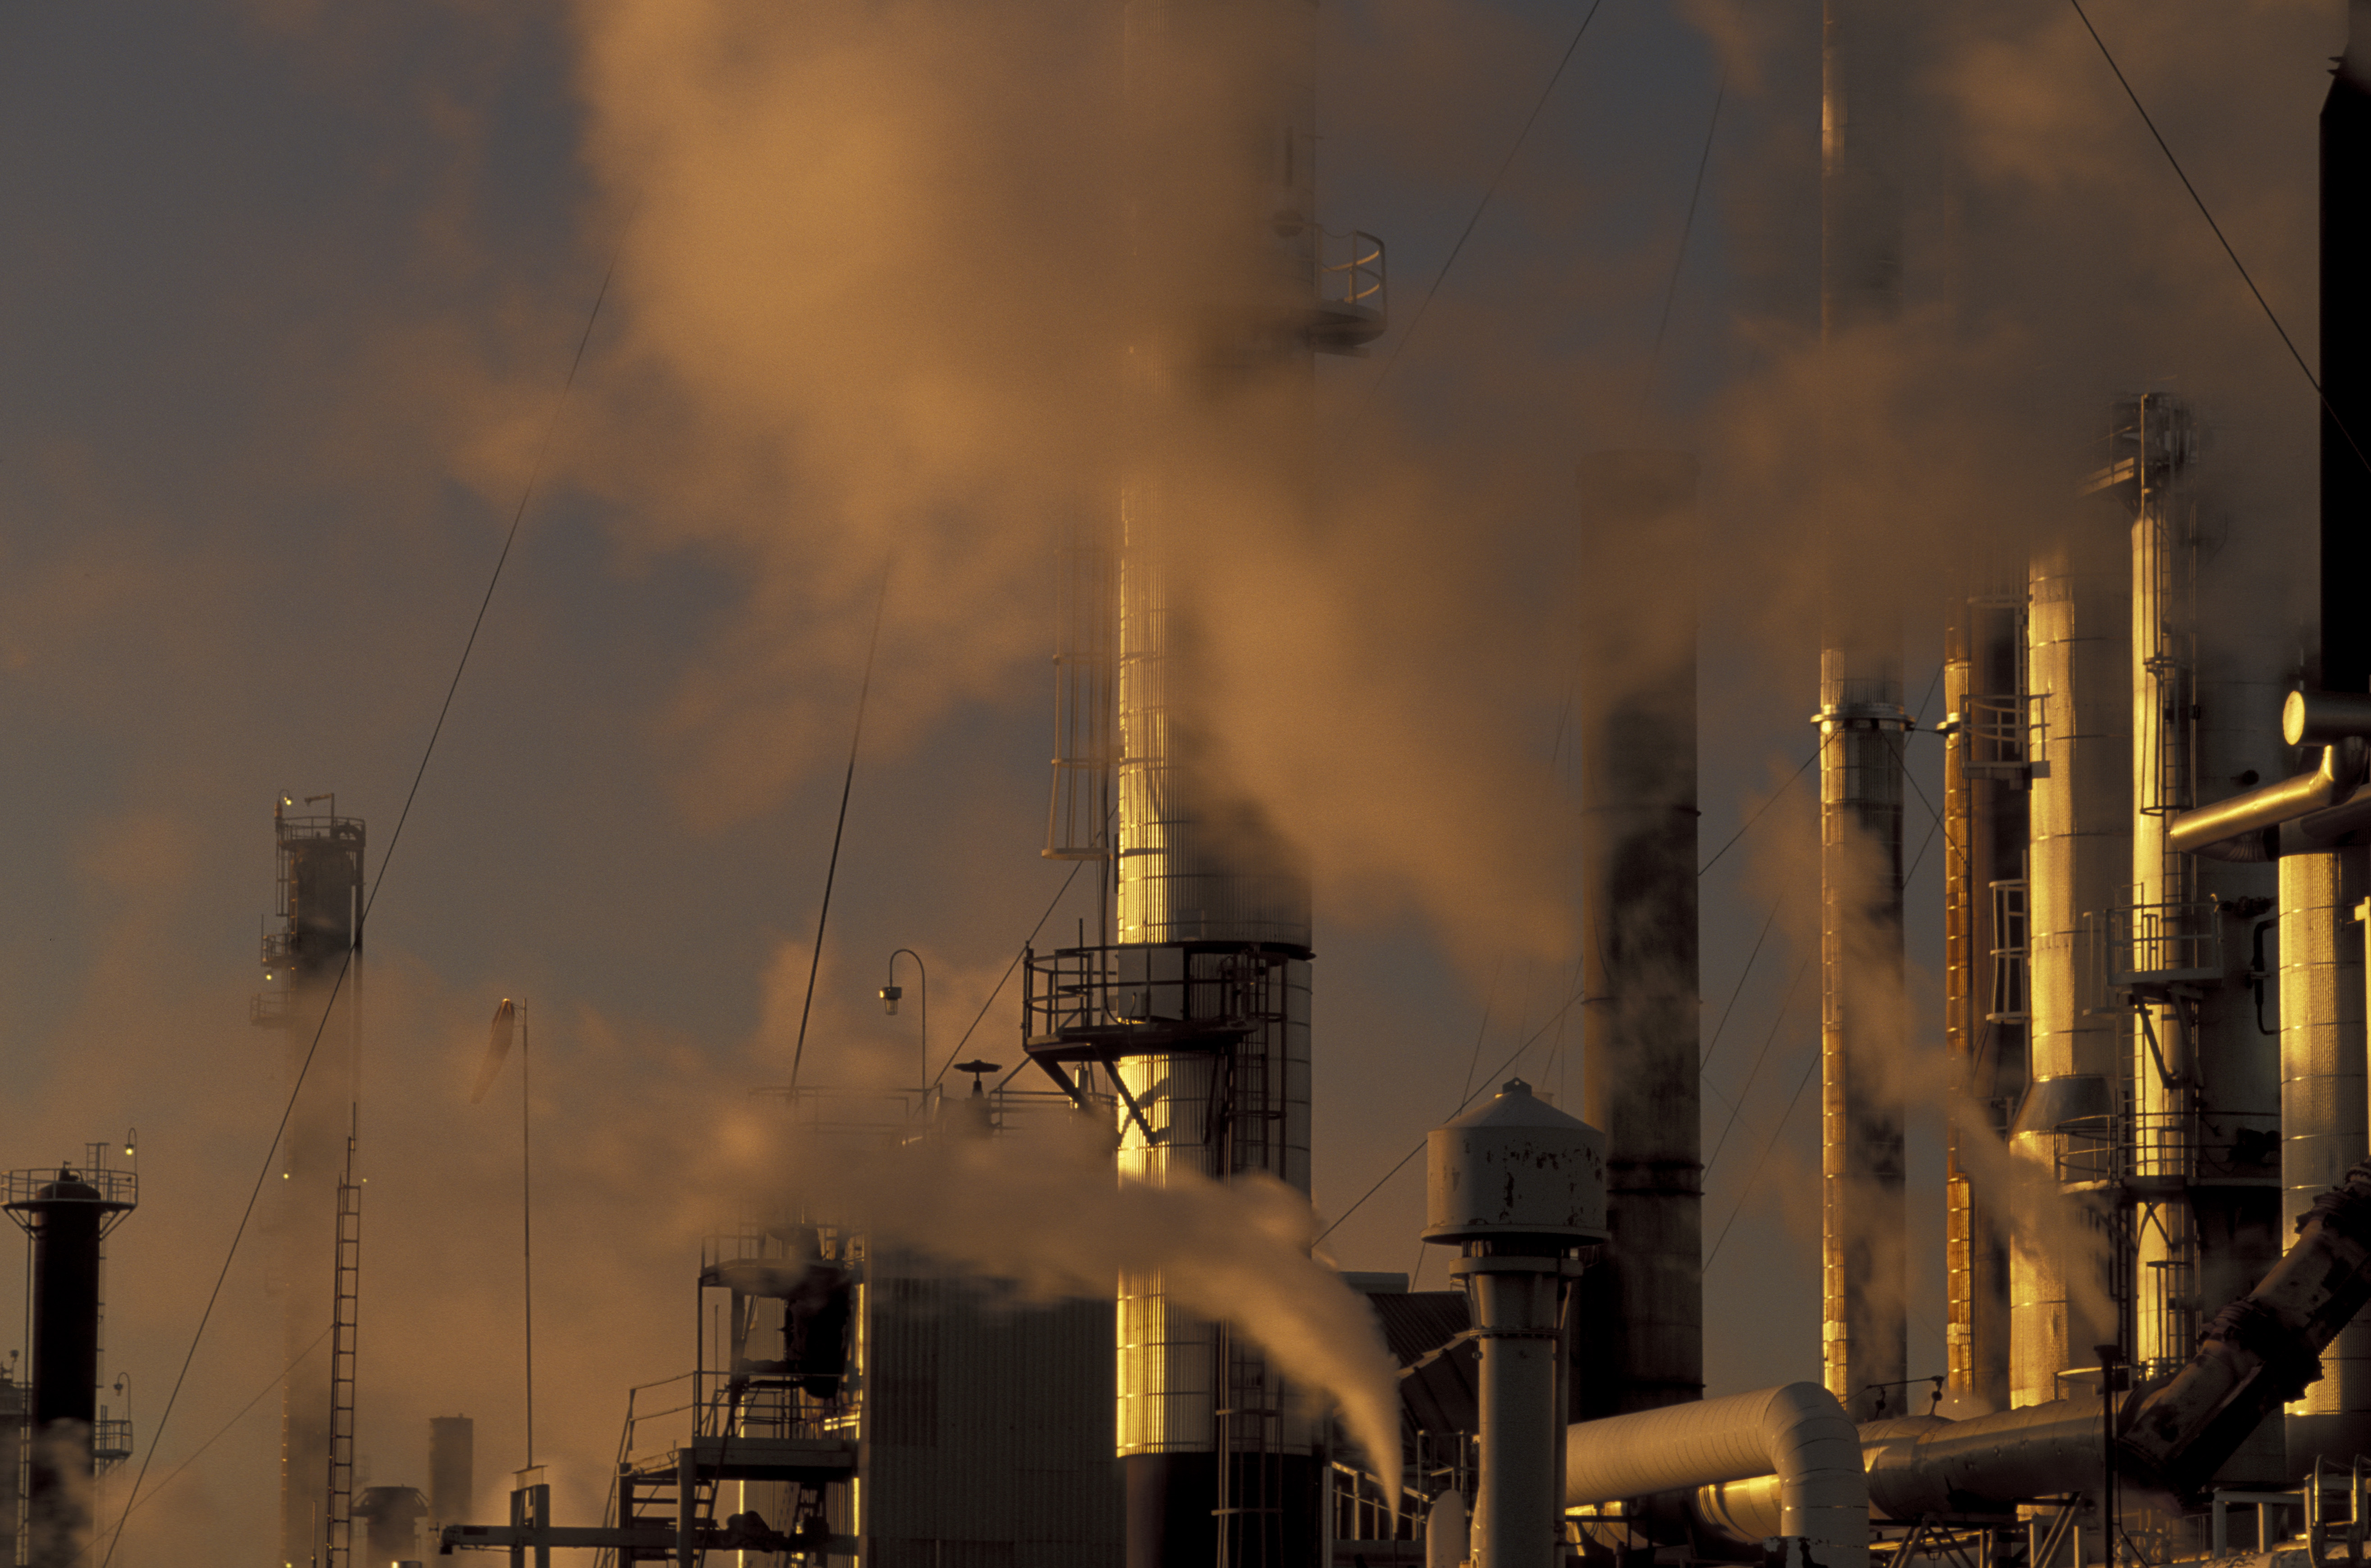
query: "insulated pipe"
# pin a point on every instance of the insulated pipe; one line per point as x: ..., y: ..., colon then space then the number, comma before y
x: 2272, y: 804
x: 1518, y: 1311
x: 1927, y: 1465
x: 2320, y: 717
x: 1798, y: 1432
x: 2261, y: 1350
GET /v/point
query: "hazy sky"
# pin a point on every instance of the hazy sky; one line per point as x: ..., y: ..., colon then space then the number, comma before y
x: 289, y: 294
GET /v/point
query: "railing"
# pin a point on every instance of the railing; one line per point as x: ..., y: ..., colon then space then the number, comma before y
x: 111, y: 1440
x: 1072, y: 991
x: 2000, y: 734
x: 1351, y: 298
x: 2012, y: 999
x: 269, y: 1009
x: 1356, y: 279
x: 116, y: 1189
x: 2153, y: 945
x: 681, y: 1417
x: 2197, y: 1146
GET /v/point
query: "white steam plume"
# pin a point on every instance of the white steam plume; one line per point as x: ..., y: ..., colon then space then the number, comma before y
x: 1048, y: 1214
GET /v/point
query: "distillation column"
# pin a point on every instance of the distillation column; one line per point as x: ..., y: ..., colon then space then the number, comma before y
x: 307, y: 962
x: 1212, y: 909
x: 2206, y: 681
x: 1985, y: 777
x: 1863, y: 1326
x: 2321, y: 944
x: 1640, y: 1313
x: 2078, y: 856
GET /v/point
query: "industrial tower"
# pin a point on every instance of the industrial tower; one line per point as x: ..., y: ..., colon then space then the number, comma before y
x: 67, y: 1212
x: 1864, y: 1327
x: 1195, y: 1008
x: 312, y: 962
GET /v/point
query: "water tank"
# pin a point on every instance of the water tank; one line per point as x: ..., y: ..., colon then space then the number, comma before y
x: 1515, y: 1169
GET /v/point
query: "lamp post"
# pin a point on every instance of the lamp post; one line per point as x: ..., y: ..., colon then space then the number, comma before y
x: 892, y: 991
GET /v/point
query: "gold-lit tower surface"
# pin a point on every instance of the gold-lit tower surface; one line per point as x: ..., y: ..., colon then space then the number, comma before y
x: 311, y: 956
x: 2208, y: 676
x: 1864, y: 1327
x: 1198, y: 1005
x: 1986, y: 774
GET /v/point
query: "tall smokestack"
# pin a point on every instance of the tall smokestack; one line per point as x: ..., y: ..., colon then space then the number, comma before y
x: 67, y: 1213
x: 1864, y: 1328
x: 2321, y: 952
x: 1207, y: 1028
x: 1639, y: 1315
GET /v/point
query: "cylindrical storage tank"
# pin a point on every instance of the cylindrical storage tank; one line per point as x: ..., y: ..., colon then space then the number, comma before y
x: 1517, y: 1184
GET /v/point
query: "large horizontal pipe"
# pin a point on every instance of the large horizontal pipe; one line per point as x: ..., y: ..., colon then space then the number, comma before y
x: 2260, y: 1352
x: 1798, y: 1434
x: 2320, y: 717
x: 2203, y: 829
x: 1923, y: 1465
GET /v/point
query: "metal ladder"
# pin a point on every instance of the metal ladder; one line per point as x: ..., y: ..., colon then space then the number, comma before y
x: 344, y: 1312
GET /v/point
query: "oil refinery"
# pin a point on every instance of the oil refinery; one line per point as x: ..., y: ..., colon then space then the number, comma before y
x: 922, y: 356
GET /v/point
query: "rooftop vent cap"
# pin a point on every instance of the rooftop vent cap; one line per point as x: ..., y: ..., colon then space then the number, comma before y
x: 1515, y: 1169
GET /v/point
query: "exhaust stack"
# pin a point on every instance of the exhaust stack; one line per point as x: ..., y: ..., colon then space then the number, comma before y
x: 1864, y: 1330
x: 1640, y: 1313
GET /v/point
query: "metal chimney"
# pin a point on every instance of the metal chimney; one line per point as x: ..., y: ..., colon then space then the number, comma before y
x: 1864, y: 1327
x: 67, y: 1212
x: 1638, y: 1317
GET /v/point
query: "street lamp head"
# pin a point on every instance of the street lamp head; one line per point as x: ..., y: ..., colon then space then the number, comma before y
x: 889, y: 995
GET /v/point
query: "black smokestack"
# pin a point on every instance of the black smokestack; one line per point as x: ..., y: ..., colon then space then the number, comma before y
x: 68, y: 1217
x: 2347, y: 362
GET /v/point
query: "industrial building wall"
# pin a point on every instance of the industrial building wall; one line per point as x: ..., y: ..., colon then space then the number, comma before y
x: 989, y: 1427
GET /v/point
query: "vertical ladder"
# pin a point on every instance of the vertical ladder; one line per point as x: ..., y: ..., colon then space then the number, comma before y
x: 344, y: 1316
